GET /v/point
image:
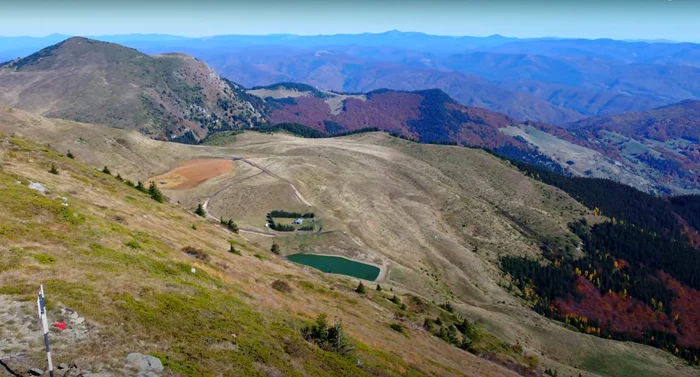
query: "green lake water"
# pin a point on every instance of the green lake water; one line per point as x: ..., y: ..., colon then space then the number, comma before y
x: 337, y: 265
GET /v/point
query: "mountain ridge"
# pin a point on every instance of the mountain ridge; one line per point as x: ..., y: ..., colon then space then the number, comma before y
x: 168, y: 96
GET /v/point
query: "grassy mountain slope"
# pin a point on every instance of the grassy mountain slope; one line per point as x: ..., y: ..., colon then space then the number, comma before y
x: 167, y: 96
x: 417, y: 210
x: 114, y: 256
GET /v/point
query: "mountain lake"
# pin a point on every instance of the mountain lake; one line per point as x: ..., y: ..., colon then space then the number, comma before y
x: 337, y: 265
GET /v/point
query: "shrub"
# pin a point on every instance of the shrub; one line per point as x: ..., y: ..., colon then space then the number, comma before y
x: 106, y: 171
x: 275, y: 249
x: 259, y: 256
x: 133, y: 244
x: 448, y: 307
x: 128, y: 183
x: 379, y: 288
x: 70, y: 155
x: 360, y: 288
x: 395, y: 300
x: 53, y: 169
x: 397, y: 327
x: 200, y: 210
x: 330, y: 338
x: 233, y: 226
x: 119, y: 177
x: 233, y: 250
x: 194, y: 252
x: 281, y: 286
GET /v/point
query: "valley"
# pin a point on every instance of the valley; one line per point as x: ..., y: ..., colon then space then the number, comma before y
x: 522, y: 221
x: 416, y: 210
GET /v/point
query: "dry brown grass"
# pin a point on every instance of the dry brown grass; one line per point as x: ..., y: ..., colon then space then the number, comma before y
x: 192, y: 173
x: 413, y: 208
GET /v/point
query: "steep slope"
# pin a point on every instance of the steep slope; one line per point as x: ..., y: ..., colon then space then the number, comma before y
x: 127, y: 274
x: 416, y: 210
x: 168, y: 96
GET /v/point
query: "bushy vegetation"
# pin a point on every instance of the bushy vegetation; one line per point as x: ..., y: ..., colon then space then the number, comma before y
x: 200, y: 211
x: 278, y: 227
x: 53, y: 169
x: 194, y: 252
x: 281, y: 286
x: 328, y: 337
x: 308, y: 132
x: 232, y: 249
x: 275, y: 248
x: 292, y: 215
x: 230, y: 225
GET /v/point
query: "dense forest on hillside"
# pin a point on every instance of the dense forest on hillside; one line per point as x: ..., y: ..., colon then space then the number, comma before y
x: 614, y: 199
x: 631, y: 285
x: 637, y: 279
x: 687, y: 207
x: 308, y: 132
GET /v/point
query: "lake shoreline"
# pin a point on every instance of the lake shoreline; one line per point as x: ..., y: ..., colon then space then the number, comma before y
x: 380, y: 275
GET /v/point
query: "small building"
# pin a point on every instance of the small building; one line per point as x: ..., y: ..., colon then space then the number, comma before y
x: 298, y: 221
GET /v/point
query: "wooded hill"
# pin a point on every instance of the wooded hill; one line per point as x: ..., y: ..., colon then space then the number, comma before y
x: 637, y: 279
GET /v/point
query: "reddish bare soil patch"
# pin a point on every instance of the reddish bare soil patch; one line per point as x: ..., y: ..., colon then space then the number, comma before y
x: 191, y: 174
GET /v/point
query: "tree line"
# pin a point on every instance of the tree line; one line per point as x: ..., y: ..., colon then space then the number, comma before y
x: 624, y: 262
x: 308, y: 132
x: 291, y: 215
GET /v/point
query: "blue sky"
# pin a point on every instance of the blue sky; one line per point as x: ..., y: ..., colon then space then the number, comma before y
x: 618, y: 19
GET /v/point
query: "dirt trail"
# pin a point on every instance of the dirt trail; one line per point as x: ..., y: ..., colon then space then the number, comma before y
x: 296, y: 192
x: 233, y: 182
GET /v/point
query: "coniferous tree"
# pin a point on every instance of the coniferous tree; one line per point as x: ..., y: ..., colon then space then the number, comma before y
x: 379, y: 288
x: 275, y: 249
x: 70, y: 155
x: 360, y: 288
x: 200, y: 210
x: 141, y: 187
x: 53, y: 169
x: 232, y: 226
x: 106, y: 170
x: 119, y: 177
x: 155, y: 193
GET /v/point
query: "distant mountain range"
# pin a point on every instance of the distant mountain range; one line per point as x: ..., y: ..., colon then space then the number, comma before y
x: 178, y: 98
x: 549, y: 80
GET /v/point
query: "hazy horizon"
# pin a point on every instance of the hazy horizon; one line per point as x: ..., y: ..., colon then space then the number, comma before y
x: 615, y: 19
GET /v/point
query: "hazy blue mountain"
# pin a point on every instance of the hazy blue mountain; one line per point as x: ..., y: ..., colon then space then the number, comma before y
x: 547, y: 79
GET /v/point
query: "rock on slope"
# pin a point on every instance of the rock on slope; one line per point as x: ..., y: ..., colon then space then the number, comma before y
x: 169, y: 96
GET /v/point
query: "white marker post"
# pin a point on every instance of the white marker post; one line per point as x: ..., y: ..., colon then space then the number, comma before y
x: 45, y: 326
